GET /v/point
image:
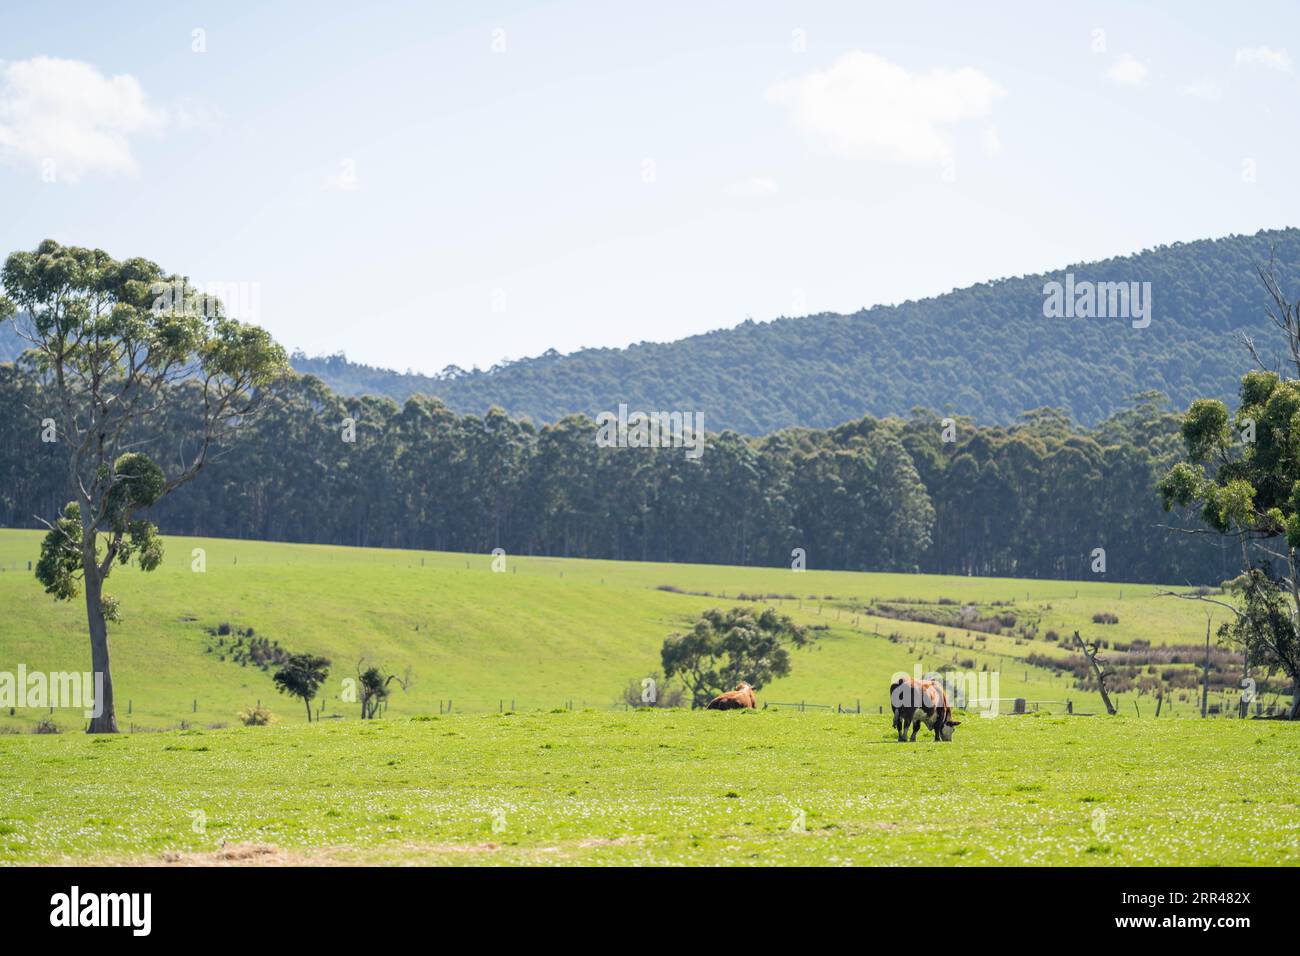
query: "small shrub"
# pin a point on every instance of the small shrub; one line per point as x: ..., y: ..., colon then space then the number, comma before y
x: 258, y: 716
x: 46, y: 726
x: 1105, y: 617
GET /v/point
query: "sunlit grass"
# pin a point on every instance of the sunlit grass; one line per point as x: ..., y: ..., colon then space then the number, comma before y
x: 547, y: 632
x: 663, y: 787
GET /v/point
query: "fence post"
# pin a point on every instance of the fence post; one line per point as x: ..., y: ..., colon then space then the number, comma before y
x: 1205, y: 686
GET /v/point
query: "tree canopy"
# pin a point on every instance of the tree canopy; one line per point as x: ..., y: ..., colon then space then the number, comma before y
x: 1243, y: 475
x: 116, y: 350
x: 302, y: 676
x: 727, y: 647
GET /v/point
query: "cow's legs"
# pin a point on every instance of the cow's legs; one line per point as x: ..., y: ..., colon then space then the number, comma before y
x: 901, y: 718
x: 916, y: 725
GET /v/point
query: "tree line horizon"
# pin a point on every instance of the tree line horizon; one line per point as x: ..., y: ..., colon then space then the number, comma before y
x: 1034, y: 499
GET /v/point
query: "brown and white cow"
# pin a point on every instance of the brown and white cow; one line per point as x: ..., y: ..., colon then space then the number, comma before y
x: 918, y: 702
x: 741, y: 697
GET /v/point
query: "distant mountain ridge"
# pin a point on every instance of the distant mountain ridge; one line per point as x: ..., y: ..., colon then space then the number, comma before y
x: 986, y: 351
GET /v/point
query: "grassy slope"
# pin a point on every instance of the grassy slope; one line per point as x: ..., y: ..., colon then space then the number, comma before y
x: 546, y: 632
x: 661, y: 787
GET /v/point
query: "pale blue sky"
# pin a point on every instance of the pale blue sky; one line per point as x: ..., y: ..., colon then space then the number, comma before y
x: 398, y: 189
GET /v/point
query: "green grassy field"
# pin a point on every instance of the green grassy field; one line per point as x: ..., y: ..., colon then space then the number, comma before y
x: 653, y: 787
x: 598, y: 783
x: 546, y: 633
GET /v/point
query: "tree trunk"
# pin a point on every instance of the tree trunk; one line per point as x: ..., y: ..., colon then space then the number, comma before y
x: 106, y: 722
x: 307, y: 701
x: 1101, y: 678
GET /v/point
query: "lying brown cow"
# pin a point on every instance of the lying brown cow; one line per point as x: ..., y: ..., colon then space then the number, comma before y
x: 741, y: 697
x: 918, y: 702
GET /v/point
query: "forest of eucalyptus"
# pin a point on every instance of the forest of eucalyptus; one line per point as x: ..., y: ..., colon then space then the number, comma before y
x: 1030, y: 500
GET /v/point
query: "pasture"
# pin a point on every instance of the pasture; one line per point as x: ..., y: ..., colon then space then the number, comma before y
x: 660, y: 787
x: 546, y: 633
x: 568, y: 775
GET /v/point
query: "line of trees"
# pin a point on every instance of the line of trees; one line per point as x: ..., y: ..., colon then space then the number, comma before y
x: 1035, y: 499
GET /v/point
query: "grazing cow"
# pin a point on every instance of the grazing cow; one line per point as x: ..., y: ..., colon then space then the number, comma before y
x: 918, y: 702
x: 741, y: 697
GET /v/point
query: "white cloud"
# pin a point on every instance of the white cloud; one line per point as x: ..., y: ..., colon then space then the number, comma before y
x: 65, y: 117
x: 752, y: 188
x: 1128, y: 71
x: 864, y: 105
x: 1264, y: 56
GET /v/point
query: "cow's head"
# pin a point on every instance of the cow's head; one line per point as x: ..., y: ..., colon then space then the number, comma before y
x: 945, y: 732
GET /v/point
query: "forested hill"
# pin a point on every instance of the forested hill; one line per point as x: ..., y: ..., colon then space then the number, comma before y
x: 986, y: 352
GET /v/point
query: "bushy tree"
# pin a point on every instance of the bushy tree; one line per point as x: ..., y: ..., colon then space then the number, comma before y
x: 1243, y: 474
x: 116, y: 348
x: 302, y: 676
x: 1264, y: 625
x: 727, y: 647
x: 373, y: 684
x: 652, y: 691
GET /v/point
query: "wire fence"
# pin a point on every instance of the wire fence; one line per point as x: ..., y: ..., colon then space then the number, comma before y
x: 204, y: 714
